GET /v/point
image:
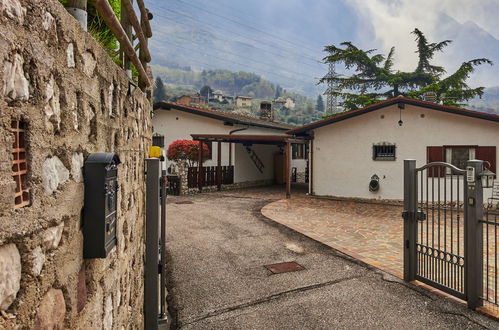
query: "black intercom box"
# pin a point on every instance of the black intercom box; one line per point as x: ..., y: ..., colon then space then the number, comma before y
x: 100, y: 205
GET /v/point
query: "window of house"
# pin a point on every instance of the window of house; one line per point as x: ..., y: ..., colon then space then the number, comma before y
x: 298, y: 151
x: 19, y: 164
x: 459, y: 155
x: 384, y: 151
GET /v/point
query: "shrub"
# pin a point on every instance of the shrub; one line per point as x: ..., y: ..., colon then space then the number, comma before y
x: 186, y: 150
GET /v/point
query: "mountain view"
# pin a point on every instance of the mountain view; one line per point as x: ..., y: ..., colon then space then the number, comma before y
x: 284, y: 44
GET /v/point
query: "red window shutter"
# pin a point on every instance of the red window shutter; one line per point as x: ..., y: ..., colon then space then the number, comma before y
x: 435, y: 154
x: 487, y: 154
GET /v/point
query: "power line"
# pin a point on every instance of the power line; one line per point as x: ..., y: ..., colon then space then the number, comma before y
x: 259, y: 41
x: 244, y: 65
x: 245, y: 19
x: 247, y: 58
x: 242, y: 24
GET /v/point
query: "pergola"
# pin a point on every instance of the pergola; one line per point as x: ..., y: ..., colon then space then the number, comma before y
x: 278, y: 140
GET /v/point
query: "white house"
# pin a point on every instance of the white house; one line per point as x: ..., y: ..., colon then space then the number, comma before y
x: 181, y: 122
x: 349, y: 148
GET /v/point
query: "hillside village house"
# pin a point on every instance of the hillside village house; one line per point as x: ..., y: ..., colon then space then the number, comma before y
x: 243, y: 101
x: 188, y: 99
x: 252, y: 146
x: 350, y: 149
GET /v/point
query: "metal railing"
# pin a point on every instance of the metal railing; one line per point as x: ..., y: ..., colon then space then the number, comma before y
x: 142, y: 33
x: 443, y: 234
x: 490, y: 224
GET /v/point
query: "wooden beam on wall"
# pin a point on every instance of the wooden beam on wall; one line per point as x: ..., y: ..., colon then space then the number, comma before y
x: 144, y: 50
x: 114, y: 25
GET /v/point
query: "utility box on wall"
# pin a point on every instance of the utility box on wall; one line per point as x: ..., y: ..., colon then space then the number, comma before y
x: 100, y: 205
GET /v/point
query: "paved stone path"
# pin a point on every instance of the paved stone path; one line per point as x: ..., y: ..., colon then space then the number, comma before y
x: 217, y: 248
x: 369, y: 232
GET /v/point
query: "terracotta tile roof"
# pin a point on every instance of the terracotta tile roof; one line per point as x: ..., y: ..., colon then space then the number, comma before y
x: 396, y: 100
x: 229, y: 117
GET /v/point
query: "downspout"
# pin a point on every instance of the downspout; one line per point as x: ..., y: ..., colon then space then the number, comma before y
x: 230, y: 143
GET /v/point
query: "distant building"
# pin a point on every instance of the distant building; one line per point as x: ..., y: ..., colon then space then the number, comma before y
x: 243, y: 101
x: 218, y: 95
x: 278, y: 103
x: 189, y: 99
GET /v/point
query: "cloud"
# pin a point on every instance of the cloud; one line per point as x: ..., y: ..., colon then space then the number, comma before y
x: 392, y: 21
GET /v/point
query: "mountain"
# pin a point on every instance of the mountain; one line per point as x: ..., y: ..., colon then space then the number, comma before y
x: 469, y: 41
x: 489, y: 101
x: 283, y: 41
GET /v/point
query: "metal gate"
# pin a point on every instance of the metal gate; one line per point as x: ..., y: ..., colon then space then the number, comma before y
x: 443, y: 246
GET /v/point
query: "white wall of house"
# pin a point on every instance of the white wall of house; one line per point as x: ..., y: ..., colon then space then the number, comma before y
x: 343, y: 163
x: 179, y: 125
x: 245, y: 169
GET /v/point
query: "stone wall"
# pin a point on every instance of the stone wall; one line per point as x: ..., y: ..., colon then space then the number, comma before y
x: 75, y: 101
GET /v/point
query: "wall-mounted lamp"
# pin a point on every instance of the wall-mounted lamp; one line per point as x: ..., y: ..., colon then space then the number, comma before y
x: 488, y: 178
x: 401, y: 106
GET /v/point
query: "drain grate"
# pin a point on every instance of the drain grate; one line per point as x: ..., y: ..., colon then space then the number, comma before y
x: 284, y: 267
x: 184, y: 202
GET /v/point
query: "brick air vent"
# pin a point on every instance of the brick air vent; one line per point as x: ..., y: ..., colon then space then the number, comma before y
x: 19, y: 164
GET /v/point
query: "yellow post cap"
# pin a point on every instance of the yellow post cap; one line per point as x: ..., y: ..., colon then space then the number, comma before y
x: 155, y: 152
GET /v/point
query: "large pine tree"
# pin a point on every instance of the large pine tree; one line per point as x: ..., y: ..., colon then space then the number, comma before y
x: 374, y: 79
x: 320, y: 104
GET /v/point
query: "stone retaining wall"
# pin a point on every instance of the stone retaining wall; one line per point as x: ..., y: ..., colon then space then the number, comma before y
x: 75, y: 101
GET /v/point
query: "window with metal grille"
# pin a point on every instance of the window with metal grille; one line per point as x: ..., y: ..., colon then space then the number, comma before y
x: 384, y: 151
x: 19, y: 164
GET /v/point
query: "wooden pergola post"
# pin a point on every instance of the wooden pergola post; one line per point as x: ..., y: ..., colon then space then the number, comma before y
x: 219, y: 166
x: 287, y: 168
x: 200, y: 167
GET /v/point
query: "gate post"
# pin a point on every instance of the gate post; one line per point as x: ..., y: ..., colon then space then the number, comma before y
x: 473, y: 239
x: 151, y: 299
x: 409, y: 215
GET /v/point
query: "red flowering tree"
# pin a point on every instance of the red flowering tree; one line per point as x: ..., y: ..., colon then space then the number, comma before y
x: 187, y: 150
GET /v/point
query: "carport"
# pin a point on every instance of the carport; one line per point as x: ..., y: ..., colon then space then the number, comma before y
x: 284, y: 141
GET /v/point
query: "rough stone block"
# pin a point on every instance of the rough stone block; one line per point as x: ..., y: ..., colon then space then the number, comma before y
x: 89, y: 63
x: 53, y: 174
x: 70, y: 55
x: 47, y: 20
x: 10, y: 274
x: 53, y: 107
x: 16, y: 86
x: 52, y: 310
x: 108, y: 313
x: 76, y: 166
x: 13, y: 10
x: 37, y: 260
x: 52, y: 236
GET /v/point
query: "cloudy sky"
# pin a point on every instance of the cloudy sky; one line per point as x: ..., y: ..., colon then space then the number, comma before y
x: 306, y: 26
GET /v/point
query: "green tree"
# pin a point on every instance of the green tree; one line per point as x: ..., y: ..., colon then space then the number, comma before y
x: 278, y: 91
x: 206, y: 91
x: 320, y: 104
x: 159, y: 93
x: 374, y: 79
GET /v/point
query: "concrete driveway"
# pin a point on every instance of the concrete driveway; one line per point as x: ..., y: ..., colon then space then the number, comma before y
x: 219, y: 244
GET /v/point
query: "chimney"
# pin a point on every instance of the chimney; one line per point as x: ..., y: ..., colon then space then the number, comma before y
x: 266, y: 111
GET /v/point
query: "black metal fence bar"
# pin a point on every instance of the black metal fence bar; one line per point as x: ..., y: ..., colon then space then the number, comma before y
x: 439, y: 259
x: 453, y: 252
x: 490, y: 222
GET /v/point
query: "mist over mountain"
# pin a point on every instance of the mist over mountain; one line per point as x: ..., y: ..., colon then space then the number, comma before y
x: 283, y: 41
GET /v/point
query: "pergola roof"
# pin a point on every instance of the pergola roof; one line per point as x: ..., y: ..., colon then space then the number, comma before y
x: 249, y: 138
